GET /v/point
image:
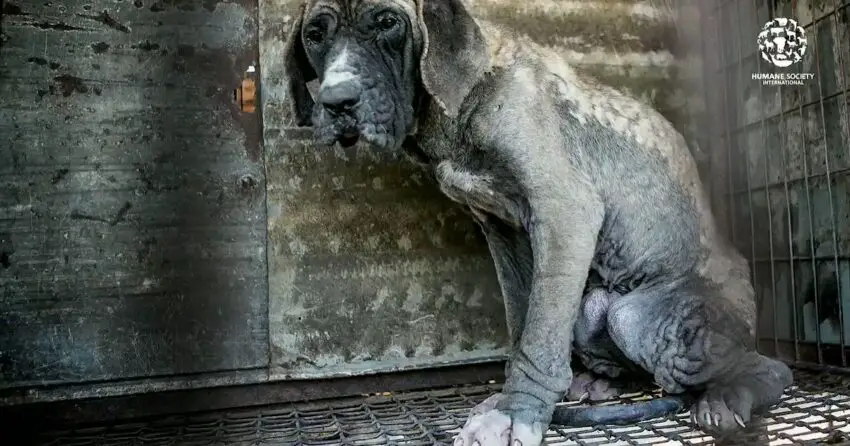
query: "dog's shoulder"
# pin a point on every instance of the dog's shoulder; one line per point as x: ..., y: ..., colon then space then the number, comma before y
x: 544, y: 73
x: 529, y: 87
x: 543, y: 79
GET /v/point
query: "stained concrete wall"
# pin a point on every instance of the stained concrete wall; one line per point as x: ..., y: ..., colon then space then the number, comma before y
x: 370, y: 267
x: 789, y: 154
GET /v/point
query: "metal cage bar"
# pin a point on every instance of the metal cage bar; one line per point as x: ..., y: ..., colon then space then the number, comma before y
x: 781, y: 251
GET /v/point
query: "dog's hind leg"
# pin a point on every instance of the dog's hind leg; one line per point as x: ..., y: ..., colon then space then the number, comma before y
x: 591, y: 386
x: 605, y: 377
x: 691, y: 342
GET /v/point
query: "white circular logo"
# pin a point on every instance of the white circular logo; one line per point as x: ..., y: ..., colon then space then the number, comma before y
x: 782, y: 42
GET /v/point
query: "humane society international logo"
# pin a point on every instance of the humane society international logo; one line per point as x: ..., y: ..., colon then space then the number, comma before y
x: 782, y: 43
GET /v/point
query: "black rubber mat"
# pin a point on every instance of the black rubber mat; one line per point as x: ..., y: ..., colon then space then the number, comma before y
x: 816, y: 411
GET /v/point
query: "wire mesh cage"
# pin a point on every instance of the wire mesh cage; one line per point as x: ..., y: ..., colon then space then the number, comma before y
x: 783, y: 136
x: 815, y: 413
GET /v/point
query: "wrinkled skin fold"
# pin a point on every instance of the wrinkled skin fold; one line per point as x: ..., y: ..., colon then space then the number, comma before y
x: 603, y: 241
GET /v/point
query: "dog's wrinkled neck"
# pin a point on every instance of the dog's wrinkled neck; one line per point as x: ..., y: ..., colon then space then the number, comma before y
x: 420, y: 108
x: 435, y: 134
x: 412, y: 143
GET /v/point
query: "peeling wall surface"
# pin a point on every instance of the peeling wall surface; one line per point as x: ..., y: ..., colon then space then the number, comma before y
x: 132, y: 217
x: 370, y: 267
x: 788, y: 154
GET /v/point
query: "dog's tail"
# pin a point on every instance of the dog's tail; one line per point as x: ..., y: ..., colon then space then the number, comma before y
x: 621, y: 414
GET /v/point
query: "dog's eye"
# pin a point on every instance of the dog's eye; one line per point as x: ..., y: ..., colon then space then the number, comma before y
x: 314, y: 36
x: 387, y: 22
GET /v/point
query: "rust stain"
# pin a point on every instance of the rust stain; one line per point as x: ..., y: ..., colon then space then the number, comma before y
x: 243, y: 102
x: 119, y: 216
x: 6, y: 250
x: 189, y: 5
x: 210, y: 5
x: 99, y: 47
x: 226, y: 70
x: 245, y: 95
x: 43, y: 62
x: 145, y: 46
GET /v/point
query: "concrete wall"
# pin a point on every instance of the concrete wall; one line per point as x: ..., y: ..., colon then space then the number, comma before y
x: 370, y: 268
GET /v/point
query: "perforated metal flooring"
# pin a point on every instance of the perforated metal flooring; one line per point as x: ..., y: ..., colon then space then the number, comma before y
x: 817, y: 411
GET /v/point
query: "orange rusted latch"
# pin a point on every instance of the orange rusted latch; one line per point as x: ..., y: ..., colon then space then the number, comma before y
x: 246, y: 94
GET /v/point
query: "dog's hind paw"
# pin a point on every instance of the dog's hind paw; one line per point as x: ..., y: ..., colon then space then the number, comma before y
x: 723, y: 410
x: 591, y: 387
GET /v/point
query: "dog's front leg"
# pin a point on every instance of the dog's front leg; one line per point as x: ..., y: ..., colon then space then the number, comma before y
x: 563, y: 230
x: 500, y: 219
x: 511, y: 252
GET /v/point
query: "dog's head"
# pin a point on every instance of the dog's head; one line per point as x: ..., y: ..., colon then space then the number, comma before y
x: 374, y: 59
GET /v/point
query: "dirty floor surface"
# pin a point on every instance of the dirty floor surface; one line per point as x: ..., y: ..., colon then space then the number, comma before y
x: 817, y: 411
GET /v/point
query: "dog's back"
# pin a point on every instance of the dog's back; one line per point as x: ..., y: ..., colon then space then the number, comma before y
x: 592, y: 102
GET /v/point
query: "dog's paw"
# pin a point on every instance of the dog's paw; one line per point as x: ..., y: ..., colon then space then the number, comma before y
x: 587, y: 386
x: 723, y: 410
x: 493, y: 427
x: 485, y: 406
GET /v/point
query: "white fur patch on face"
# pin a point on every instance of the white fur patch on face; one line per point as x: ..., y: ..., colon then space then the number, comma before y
x: 338, y: 70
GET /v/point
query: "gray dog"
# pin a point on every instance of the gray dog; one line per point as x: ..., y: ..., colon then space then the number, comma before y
x: 591, y: 204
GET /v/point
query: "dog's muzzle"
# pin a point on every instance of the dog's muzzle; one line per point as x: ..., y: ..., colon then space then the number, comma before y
x: 340, y: 100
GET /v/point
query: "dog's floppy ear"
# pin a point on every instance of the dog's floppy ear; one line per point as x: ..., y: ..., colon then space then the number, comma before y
x: 298, y: 72
x: 454, y: 52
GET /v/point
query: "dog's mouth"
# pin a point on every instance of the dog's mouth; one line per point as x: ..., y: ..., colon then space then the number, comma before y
x: 348, y: 131
x: 344, y: 130
x: 349, y: 136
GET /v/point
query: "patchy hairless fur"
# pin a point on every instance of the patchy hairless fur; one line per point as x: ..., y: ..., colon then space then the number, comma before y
x: 590, y: 201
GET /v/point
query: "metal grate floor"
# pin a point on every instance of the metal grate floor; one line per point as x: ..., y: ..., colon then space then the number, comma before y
x: 817, y: 411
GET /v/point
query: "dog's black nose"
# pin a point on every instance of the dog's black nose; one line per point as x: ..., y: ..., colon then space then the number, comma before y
x: 340, y: 97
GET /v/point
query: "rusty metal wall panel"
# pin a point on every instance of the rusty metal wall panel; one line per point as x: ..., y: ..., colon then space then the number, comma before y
x: 132, y: 217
